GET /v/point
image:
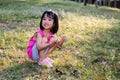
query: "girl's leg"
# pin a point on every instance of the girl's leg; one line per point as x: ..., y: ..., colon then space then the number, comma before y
x: 50, y: 50
x: 41, y: 55
x: 35, y: 53
x: 43, y: 60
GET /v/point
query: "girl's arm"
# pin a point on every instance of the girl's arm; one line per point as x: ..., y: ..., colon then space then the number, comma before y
x: 58, y: 43
x: 51, y: 49
x: 63, y: 39
x: 41, y: 45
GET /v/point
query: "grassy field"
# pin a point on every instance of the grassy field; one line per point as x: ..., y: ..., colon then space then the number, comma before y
x: 92, y: 51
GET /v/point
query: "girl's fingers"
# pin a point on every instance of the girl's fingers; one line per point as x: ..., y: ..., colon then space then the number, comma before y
x: 64, y: 37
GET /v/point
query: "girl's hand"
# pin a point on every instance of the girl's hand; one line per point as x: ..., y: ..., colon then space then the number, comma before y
x: 44, y: 40
x: 64, y: 37
x: 62, y: 40
x: 54, y: 40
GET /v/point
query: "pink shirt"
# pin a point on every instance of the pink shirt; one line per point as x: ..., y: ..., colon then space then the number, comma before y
x: 33, y: 41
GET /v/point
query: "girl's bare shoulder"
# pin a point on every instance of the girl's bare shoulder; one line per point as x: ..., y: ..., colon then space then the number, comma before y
x: 37, y: 35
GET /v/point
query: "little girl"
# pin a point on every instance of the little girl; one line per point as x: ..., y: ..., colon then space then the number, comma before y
x: 43, y: 42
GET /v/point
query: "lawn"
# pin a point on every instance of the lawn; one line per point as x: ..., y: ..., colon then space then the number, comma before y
x: 92, y: 51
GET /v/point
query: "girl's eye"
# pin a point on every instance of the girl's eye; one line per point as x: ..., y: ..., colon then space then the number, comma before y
x: 44, y: 19
x: 50, y: 19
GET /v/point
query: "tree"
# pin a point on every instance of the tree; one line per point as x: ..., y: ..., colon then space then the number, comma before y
x: 115, y: 3
x: 85, y: 2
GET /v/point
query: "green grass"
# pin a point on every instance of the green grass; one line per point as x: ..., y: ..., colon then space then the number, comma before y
x: 92, y: 51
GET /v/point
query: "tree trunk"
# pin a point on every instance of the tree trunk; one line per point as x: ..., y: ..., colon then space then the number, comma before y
x: 109, y: 3
x: 105, y: 2
x: 85, y: 2
x: 100, y: 2
x: 96, y: 3
x: 78, y: 0
x: 115, y: 4
x: 90, y: 1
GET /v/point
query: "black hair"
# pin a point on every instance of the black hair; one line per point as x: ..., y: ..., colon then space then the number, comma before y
x: 54, y: 16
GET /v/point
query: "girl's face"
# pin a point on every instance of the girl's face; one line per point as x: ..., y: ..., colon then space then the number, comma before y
x: 47, y: 22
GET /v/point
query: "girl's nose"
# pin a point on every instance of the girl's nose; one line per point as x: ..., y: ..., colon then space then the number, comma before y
x: 46, y: 21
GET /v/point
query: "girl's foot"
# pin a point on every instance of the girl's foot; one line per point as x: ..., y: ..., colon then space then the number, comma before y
x: 50, y: 60
x: 41, y: 63
x: 48, y: 63
x: 45, y: 62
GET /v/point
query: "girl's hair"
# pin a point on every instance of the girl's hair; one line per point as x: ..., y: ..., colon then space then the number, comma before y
x: 53, y: 15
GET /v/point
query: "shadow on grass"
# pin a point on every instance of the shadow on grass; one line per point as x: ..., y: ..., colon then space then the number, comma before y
x: 31, y: 71
x: 20, y: 71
